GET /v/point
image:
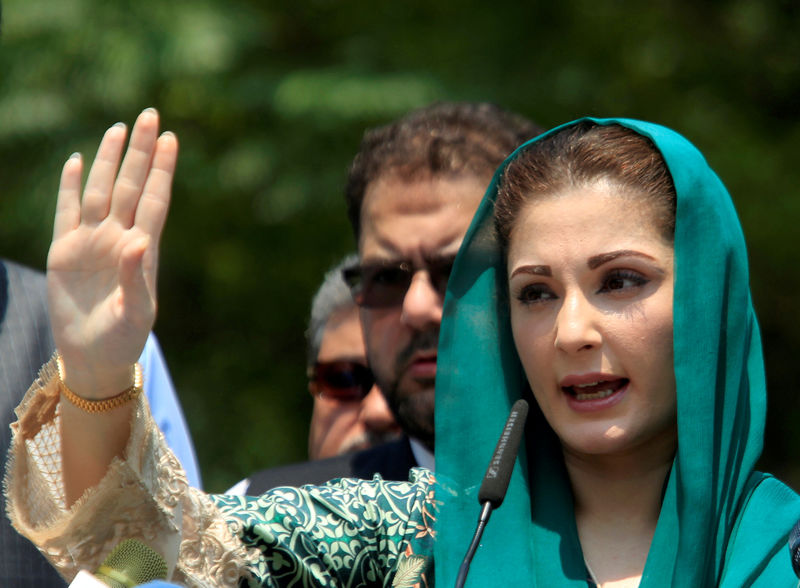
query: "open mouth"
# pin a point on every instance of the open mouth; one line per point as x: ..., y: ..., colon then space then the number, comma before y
x: 595, y: 390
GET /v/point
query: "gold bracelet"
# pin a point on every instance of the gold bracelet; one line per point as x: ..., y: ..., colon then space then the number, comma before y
x: 106, y: 404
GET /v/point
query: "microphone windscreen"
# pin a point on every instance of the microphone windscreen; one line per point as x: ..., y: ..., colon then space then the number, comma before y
x: 495, y: 482
x: 132, y: 563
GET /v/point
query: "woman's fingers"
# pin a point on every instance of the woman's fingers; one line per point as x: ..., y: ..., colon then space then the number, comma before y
x: 68, y: 204
x: 99, y: 184
x: 139, y: 193
x: 154, y: 203
x: 101, y: 268
x: 134, y: 170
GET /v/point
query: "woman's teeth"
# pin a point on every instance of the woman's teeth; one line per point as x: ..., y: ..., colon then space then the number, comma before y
x: 596, y: 390
x: 594, y: 395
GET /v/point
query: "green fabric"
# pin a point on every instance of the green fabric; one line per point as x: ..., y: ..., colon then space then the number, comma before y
x: 720, y: 522
x: 348, y: 532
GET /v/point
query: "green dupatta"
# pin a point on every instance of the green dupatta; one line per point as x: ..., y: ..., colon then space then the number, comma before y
x: 721, y: 523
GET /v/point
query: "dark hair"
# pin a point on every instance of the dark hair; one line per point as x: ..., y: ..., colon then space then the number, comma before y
x: 578, y: 156
x: 440, y: 140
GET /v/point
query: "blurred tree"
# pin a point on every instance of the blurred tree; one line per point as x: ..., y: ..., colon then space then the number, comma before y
x: 269, y: 101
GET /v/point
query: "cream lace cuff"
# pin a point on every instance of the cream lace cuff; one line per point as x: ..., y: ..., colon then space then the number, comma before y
x: 145, y: 496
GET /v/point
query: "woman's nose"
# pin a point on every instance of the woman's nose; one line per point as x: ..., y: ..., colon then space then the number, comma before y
x: 577, y: 325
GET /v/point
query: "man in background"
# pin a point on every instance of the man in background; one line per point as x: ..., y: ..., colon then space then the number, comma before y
x: 349, y: 413
x: 411, y: 193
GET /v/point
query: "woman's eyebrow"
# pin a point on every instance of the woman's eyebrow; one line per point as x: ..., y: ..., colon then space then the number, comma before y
x: 536, y: 270
x: 598, y: 260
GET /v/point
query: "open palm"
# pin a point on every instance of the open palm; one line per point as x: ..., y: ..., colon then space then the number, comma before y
x: 102, y: 265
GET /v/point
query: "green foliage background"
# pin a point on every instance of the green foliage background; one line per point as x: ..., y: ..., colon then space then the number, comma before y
x: 269, y: 100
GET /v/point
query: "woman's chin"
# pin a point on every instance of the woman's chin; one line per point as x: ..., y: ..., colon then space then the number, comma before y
x: 597, y: 439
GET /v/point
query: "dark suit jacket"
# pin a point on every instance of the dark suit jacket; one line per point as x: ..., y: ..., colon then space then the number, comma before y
x: 391, y: 460
x: 26, y: 343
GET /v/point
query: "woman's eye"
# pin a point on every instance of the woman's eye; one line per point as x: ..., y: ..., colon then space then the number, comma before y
x: 620, y: 280
x: 535, y: 293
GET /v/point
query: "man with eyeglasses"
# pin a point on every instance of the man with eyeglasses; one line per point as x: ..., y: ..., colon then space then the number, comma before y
x: 411, y: 193
x: 350, y: 413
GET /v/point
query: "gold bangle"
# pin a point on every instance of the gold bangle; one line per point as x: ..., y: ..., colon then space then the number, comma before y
x: 105, y: 404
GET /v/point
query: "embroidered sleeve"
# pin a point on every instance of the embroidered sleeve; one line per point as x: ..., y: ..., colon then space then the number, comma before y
x: 357, y: 533
x: 146, y: 496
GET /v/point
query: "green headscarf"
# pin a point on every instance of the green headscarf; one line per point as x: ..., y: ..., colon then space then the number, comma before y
x: 721, y: 523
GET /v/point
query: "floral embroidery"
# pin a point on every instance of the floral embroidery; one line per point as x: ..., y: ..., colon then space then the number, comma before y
x: 409, y: 571
x: 348, y: 532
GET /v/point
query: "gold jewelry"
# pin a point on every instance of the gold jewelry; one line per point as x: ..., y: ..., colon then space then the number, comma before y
x: 105, y: 404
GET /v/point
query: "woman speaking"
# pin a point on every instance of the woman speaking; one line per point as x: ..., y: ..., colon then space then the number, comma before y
x: 604, y: 277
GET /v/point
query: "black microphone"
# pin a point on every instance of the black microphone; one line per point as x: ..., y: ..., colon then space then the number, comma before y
x: 495, y: 482
x: 794, y: 548
x: 129, y: 564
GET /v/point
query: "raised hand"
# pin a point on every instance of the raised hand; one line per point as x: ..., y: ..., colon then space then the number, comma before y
x: 101, y: 269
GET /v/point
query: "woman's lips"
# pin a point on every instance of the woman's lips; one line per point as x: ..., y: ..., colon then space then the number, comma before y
x: 593, y: 392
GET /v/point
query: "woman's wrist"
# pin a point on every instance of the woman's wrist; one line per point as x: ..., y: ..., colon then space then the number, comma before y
x: 94, y: 385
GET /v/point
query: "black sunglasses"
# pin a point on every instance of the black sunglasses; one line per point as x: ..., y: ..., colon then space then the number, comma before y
x: 343, y: 381
x: 381, y: 285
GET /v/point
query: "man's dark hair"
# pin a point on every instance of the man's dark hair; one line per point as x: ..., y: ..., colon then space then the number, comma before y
x: 440, y: 140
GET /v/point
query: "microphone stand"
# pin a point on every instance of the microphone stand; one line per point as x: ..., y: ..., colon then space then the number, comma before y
x: 495, y: 483
x: 463, y: 570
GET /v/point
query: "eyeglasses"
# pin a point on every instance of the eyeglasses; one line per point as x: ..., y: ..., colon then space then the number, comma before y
x: 381, y: 285
x: 343, y: 381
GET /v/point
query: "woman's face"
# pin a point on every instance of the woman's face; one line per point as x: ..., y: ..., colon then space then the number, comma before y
x: 590, y: 284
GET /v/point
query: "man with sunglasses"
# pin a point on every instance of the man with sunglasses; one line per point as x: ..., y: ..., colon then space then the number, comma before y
x: 350, y: 412
x: 411, y: 193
